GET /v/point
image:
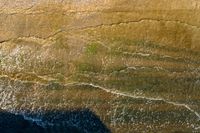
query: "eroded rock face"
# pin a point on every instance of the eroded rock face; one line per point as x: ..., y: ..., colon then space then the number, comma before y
x: 134, y: 63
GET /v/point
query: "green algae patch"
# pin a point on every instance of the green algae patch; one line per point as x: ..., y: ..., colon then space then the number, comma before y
x: 92, y: 48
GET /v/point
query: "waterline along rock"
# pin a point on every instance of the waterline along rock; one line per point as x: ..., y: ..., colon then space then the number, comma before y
x: 100, y: 66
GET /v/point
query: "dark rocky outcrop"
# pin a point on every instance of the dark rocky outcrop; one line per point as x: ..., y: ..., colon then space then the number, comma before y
x: 78, y: 121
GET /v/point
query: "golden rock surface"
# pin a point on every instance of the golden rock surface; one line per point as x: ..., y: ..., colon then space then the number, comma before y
x: 134, y: 63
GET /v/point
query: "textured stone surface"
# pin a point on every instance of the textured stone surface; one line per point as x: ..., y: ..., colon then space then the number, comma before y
x: 134, y: 63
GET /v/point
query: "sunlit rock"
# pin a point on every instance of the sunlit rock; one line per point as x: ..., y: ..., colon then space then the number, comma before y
x: 125, y: 65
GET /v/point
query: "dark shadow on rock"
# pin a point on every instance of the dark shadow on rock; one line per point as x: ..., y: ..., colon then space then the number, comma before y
x: 182, y: 132
x: 76, y: 121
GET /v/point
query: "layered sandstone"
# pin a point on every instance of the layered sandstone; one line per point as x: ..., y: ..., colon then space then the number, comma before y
x: 135, y: 63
